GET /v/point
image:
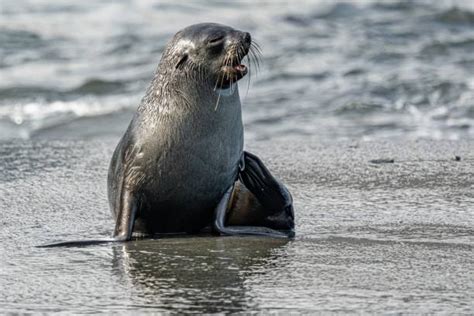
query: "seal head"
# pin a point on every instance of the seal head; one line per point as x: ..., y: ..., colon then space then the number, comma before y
x: 214, y: 50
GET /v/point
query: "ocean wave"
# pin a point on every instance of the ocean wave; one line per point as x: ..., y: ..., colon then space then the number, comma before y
x: 23, y: 120
x: 13, y: 40
x: 456, y: 15
x: 95, y: 87
x: 98, y: 87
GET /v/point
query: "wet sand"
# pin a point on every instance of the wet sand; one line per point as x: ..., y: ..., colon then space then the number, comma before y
x: 382, y: 227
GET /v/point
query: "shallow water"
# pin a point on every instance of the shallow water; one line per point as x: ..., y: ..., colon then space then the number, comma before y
x: 361, y: 69
x: 378, y: 238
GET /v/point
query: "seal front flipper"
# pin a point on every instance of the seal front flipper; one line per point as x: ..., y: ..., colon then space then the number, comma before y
x: 125, y: 203
x: 78, y: 243
x: 125, y: 217
x: 123, y: 226
x: 125, y: 178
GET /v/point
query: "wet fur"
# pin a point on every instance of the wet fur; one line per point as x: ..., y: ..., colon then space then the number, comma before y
x: 179, y: 155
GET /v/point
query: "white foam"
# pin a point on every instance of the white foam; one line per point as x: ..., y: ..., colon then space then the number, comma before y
x: 27, y: 118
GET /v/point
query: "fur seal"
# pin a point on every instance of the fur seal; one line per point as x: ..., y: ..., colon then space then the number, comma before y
x: 180, y: 166
x: 174, y: 169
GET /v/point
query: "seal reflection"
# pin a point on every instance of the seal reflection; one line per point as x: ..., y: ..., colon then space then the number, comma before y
x: 198, y: 274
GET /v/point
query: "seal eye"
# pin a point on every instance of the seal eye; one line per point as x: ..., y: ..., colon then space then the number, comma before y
x: 216, y: 44
x: 216, y: 40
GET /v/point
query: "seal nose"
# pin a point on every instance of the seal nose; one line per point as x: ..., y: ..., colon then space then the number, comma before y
x: 247, y: 38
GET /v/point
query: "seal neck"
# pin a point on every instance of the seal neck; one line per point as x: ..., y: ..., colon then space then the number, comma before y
x: 171, y: 91
x: 227, y: 92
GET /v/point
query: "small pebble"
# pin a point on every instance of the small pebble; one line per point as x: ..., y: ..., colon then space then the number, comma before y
x: 382, y: 160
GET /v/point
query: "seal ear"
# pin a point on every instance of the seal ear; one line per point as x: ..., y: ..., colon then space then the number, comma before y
x: 181, y: 61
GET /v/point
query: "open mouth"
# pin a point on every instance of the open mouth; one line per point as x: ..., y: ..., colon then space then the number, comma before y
x: 240, y: 70
x: 233, y: 73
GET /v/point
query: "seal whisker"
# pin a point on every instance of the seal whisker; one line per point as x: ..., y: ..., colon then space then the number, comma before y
x: 256, y: 56
x: 220, y: 75
x: 220, y: 86
x: 256, y: 61
x: 257, y: 46
x: 231, y: 62
x: 236, y: 58
x: 240, y: 56
x: 219, y: 96
x: 250, y: 76
x: 251, y: 58
x: 217, y: 102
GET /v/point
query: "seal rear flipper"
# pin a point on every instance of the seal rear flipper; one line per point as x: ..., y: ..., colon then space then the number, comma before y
x: 221, y: 228
x: 270, y: 192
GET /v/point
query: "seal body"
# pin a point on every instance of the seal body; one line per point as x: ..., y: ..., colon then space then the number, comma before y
x: 185, y: 159
x: 180, y: 152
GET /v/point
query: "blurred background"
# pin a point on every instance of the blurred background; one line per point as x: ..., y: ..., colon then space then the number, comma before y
x: 330, y: 69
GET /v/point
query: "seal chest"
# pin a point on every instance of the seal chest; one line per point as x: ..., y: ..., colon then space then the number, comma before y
x: 197, y: 164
